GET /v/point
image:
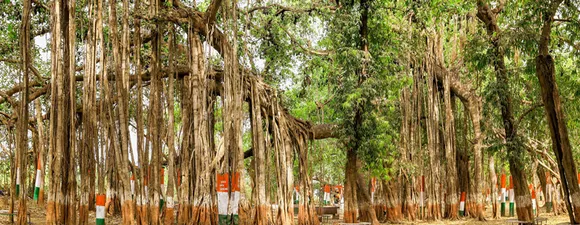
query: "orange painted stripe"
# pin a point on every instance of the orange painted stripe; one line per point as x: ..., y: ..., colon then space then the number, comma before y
x: 422, y: 183
x: 548, y: 178
x: 578, y: 178
x: 101, y: 200
x: 463, y: 196
x: 38, y: 162
x: 533, y: 194
x: 503, y: 181
x: 511, y: 182
x: 133, y: 177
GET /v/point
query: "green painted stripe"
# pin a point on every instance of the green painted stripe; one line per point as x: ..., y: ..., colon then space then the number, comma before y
x: 17, y: 189
x: 503, y: 209
x: 36, y: 192
x: 100, y: 221
x: 512, y: 211
x: 228, y: 220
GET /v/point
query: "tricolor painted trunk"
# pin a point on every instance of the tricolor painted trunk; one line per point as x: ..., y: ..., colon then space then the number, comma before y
x: 326, y: 194
x: 503, y: 195
x: 512, y: 197
x: 17, y: 182
x: 534, y: 200
x: 462, y: 204
x: 548, y: 192
x: 38, y: 182
x: 133, y: 186
x: 169, y: 211
x: 373, y: 189
x: 228, y: 204
x: 100, y: 209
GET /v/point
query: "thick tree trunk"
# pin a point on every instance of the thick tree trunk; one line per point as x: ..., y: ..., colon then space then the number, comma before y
x: 262, y: 206
x: 121, y: 68
x: 22, y: 121
x: 545, y: 71
x: 350, y: 197
x: 514, y: 145
x: 169, y: 211
x: 89, y: 119
x: 494, y: 188
x: 451, y: 184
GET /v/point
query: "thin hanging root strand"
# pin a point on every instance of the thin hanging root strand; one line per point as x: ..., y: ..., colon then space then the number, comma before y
x: 184, y: 213
x: 201, y: 215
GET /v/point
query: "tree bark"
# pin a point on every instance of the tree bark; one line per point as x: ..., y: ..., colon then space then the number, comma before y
x: 545, y: 71
x: 514, y: 145
x: 22, y: 121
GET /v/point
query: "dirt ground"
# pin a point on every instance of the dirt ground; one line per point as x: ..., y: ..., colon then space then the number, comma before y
x: 37, y: 215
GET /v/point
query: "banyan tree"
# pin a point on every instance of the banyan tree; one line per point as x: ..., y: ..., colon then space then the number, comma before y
x: 266, y: 112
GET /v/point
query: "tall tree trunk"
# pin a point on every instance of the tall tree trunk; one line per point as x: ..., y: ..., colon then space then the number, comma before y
x: 494, y: 188
x: 545, y: 71
x: 121, y: 68
x: 89, y: 119
x: 451, y: 184
x: 41, y: 150
x: 202, y: 205
x: 169, y: 211
x: 22, y: 121
x: 514, y: 146
x: 262, y: 208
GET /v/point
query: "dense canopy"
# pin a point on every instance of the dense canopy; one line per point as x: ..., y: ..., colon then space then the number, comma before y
x: 255, y: 111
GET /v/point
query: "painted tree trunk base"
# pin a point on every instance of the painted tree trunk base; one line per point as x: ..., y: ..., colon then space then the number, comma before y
x: 452, y: 211
x: 169, y: 216
x: 127, y: 210
x: 394, y: 214
x: 50, y: 213
x: 83, y: 214
x: 183, y: 214
x: 154, y: 214
x: 261, y: 216
x: 201, y: 215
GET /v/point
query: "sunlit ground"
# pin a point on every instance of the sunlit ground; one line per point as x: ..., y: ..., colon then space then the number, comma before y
x: 37, y: 215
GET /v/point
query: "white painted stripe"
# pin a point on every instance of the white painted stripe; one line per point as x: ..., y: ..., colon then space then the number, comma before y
x: 234, y: 201
x: 132, y: 187
x: 512, y: 195
x: 222, y: 203
x: 421, y: 200
x: 503, y: 194
x: 533, y: 203
x: 17, y: 176
x: 100, y: 214
x: 462, y: 206
x: 170, y: 203
x: 37, y: 183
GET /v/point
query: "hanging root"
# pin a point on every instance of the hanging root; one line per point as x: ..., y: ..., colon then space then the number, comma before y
x: 184, y: 213
x: 201, y: 215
